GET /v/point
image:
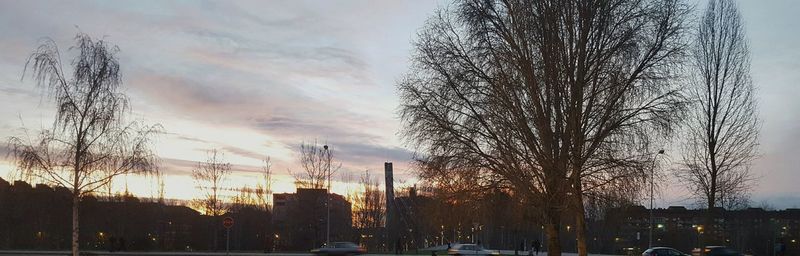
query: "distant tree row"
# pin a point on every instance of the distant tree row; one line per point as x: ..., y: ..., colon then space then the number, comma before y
x: 39, y: 218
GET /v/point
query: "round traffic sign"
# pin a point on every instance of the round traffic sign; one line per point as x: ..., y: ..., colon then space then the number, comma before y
x: 227, y: 222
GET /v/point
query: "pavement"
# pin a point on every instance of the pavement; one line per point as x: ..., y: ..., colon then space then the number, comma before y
x: 106, y: 253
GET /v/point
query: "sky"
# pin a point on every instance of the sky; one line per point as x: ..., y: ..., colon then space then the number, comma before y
x: 256, y: 79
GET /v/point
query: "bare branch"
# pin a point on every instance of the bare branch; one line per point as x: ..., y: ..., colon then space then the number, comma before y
x: 210, y: 176
x: 317, y: 163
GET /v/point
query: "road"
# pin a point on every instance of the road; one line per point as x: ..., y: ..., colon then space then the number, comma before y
x: 105, y: 253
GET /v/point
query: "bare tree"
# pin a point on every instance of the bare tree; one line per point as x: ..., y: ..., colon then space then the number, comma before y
x: 108, y: 187
x: 246, y: 197
x: 263, y: 189
x: 210, y: 176
x: 161, y: 189
x: 369, y: 204
x: 317, y: 165
x: 722, y: 131
x: 91, y: 141
x: 454, y: 183
x: 545, y: 96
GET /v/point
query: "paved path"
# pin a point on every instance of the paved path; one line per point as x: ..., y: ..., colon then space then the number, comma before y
x: 106, y: 253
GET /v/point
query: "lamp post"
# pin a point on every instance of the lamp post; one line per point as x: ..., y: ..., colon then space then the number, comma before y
x: 652, y: 195
x: 328, y: 233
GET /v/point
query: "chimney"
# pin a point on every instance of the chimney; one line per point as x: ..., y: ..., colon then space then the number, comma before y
x: 390, y: 217
x: 387, y: 167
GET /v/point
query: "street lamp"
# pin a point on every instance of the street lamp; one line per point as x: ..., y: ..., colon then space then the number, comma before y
x: 328, y: 234
x: 652, y: 195
x: 441, y: 236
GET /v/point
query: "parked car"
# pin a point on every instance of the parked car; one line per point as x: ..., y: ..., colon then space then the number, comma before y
x: 663, y: 251
x: 470, y: 249
x: 339, y: 249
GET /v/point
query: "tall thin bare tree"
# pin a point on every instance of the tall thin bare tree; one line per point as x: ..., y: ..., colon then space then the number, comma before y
x: 161, y: 188
x: 263, y: 189
x: 210, y: 176
x: 369, y: 204
x: 722, y: 131
x: 317, y: 165
x: 91, y: 141
x: 545, y: 95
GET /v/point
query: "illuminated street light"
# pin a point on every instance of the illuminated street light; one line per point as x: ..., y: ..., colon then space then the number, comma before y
x: 328, y: 205
x: 652, y: 195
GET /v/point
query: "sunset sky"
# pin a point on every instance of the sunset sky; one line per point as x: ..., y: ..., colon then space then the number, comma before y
x: 255, y: 79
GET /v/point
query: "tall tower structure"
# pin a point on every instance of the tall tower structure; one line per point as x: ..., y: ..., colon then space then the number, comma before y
x: 390, y: 206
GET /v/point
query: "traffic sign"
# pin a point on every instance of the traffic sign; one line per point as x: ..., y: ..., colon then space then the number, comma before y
x: 227, y: 222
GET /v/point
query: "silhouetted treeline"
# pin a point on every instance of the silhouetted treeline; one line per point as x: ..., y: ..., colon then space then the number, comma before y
x: 38, y: 217
x: 499, y: 219
x: 494, y: 218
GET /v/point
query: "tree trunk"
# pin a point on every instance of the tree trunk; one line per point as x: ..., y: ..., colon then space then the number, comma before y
x: 552, y: 228
x: 708, y: 229
x: 580, y: 226
x: 75, y: 204
x: 580, y: 215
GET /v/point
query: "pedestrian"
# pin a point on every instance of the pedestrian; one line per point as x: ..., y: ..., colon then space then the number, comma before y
x: 536, y: 246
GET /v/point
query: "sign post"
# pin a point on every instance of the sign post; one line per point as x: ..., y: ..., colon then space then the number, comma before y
x: 227, y: 223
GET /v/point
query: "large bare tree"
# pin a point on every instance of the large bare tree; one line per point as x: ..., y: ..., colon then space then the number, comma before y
x: 722, y: 131
x: 91, y: 141
x: 369, y: 204
x: 317, y: 166
x: 210, y: 176
x: 546, y: 96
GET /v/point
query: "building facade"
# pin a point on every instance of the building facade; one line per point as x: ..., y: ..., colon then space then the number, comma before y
x: 753, y: 230
x: 301, y: 222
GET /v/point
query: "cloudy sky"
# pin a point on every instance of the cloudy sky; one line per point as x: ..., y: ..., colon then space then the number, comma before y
x: 255, y: 79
